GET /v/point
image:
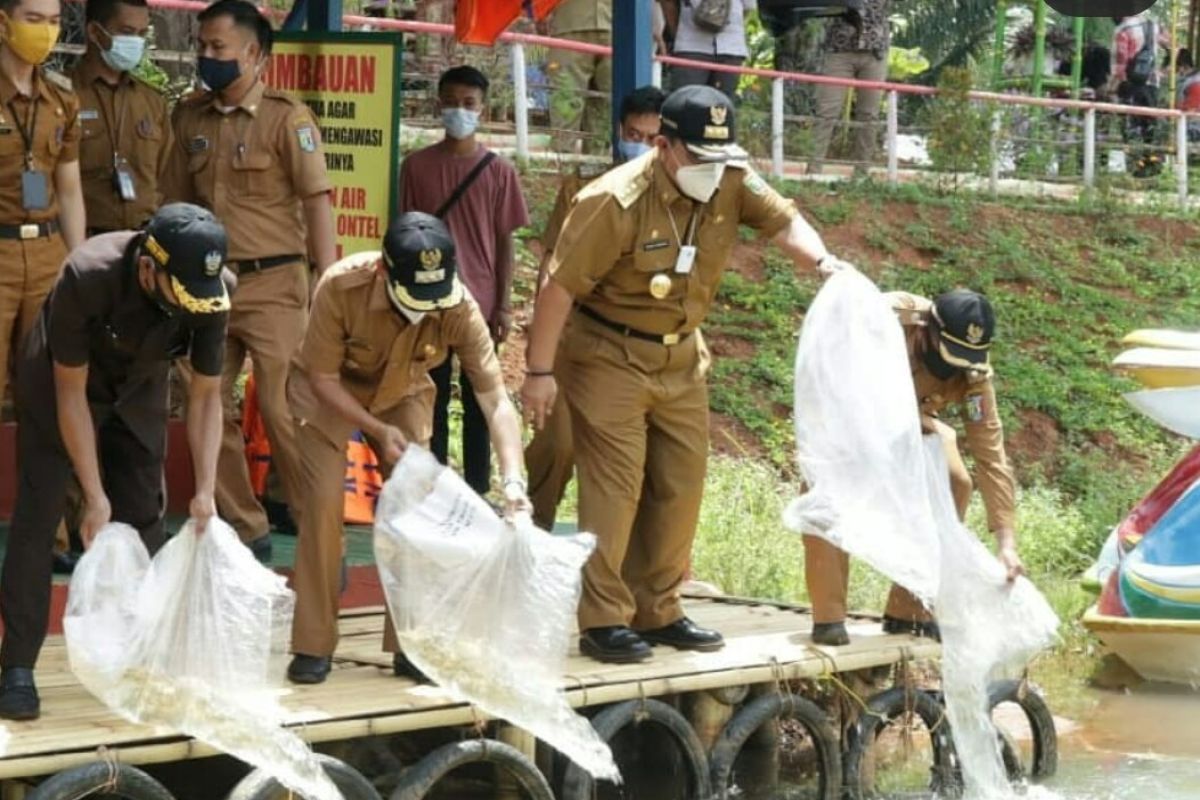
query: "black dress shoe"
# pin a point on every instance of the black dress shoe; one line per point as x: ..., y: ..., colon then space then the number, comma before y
x: 309, y: 669
x: 261, y: 547
x: 927, y: 629
x: 614, y: 644
x: 403, y: 668
x: 18, y: 694
x: 830, y: 634
x: 683, y: 634
x: 64, y: 563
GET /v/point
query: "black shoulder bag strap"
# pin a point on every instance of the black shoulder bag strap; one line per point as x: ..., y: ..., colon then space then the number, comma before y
x: 461, y: 189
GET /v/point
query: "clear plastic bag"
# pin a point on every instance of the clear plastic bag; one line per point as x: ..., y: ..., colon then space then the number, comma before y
x: 485, y: 609
x: 193, y: 641
x: 879, y: 490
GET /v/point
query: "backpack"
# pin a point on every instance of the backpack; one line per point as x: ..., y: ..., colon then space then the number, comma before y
x: 711, y: 15
x: 1142, y: 66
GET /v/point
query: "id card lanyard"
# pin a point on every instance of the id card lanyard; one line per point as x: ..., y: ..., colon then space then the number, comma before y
x: 122, y: 177
x: 35, y: 190
x: 687, y: 250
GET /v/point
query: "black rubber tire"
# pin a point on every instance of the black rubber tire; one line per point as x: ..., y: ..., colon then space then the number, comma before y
x: 578, y: 784
x: 416, y: 781
x: 1041, y: 725
x: 882, y: 709
x: 80, y: 782
x: 258, y: 785
x: 757, y: 713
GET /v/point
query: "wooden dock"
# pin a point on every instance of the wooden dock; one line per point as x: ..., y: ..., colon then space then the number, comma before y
x: 765, y: 642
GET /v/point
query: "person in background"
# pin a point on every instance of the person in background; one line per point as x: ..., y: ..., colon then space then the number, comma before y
x: 550, y: 456
x: 253, y: 156
x: 855, y: 49
x: 1136, y: 78
x: 582, y: 81
x: 695, y: 42
x: 479, y: 197
x: 380, y: 322
x: 948, y: 341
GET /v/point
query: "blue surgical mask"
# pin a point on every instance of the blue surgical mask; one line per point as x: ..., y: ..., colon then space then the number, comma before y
x: 125, y: 53
x: 460, y: 123
x: 217, y: 73
x: 630, y: 150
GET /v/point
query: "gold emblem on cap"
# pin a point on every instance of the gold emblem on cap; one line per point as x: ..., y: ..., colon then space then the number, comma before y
x: 431, y: 259
x: 718, y: 114
x: 660, y: 286
x: 974, y: 333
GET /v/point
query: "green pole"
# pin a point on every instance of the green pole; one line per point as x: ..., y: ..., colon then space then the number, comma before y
x: 1077, y: 59
x: 998, y: 52
x: 1039, y: 46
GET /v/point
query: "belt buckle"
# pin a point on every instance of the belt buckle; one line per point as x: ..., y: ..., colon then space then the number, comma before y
x: 670, y: 339
x: 30, y: 230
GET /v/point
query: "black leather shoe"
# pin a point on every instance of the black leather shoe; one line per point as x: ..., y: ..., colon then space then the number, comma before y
x: 18, y: 694
x: 614, y: 644
x: 403, y: 668
x: 830, y: 634
x: 683, y: 634
x: 261, y: 547
x: 309, y: 669
x: 64, y: 563
x: 926, y: 629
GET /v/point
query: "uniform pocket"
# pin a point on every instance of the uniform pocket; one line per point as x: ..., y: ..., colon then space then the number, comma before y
x: 250, y: 174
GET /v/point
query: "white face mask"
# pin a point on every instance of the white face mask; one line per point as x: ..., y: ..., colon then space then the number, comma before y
x: 700, y: 181
x: 413, y: 317
x: 460, y: 122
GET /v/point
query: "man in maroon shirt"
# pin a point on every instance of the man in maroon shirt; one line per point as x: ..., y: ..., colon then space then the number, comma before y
x: 479, y: 197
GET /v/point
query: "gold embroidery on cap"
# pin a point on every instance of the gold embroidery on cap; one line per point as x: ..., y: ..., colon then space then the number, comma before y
x: 716, y: 132
x: 429, y: 276
x: 198, y: 305
x: 156, y: 250
x: 974, y: 333
x: 718, y: 114
x: 431, y: 259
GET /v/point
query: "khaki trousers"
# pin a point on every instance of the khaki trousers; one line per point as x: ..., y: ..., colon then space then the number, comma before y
x: 28, y: 270
x: 550, y: 463
x: 827, y: 568
x: 639, y: 417
x: 320, y: 480
x: 830, y: 101
x: 573, y: 75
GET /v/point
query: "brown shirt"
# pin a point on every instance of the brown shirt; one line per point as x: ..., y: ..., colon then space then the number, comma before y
x: 131, y: 121
x: 974, y: 393
x: 626, y: 227
x: 382, y: 358
x: 55, y: 141
x: 572, y: 16
x: 252, y: 167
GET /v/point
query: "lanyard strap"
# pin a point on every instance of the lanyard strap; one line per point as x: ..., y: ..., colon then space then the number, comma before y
x: 114, y: 126
x: 26, y: 132
x: 691, y: 227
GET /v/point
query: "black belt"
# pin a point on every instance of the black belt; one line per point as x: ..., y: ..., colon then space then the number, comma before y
x: 259, y: 264
x: 30, y: 230
x: 661, y: 338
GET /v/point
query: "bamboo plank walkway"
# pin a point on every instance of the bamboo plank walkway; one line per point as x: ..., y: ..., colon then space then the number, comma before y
x: 765, y: 642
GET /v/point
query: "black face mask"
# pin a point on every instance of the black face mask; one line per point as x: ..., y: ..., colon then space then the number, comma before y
x: 160, y: 300
x: 938, y: 366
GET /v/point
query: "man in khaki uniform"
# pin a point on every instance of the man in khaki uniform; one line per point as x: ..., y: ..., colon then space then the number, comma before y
x: 948, y: 342
x: 636, y: 268
x: 582, y: 81
x: 41, y: 203
x: 253, y: 155
x: 550, y: 458
x: 127, y: 135
x: 380, y: 322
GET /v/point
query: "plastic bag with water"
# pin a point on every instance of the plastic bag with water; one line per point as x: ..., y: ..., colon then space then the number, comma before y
x: 485, y: 609
x: 193, y: 640
x: 880, y: 492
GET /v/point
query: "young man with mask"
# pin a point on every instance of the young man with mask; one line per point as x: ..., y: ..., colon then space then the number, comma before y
x: 253, y: 156
x: 127, y: 136
x: 381, y: 322
x: 948, y: 342
x: 550, y: 458
x: 93, y: 397
x: 41, y: 202
x: 636, y: 269
x: 479, y: 197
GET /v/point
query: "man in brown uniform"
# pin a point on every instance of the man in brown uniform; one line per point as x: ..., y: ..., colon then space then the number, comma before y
x: 948, y: 342
x: 636, y: 269
x: 380, y: 322
x: 126, y: 128
x: 253, y: 155
x: 41, y: 203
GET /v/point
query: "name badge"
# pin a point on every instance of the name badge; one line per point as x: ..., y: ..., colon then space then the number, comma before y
x: 87, y: 114
x: 35, y: 190
x: 687, y: 258
x: 123, y: 183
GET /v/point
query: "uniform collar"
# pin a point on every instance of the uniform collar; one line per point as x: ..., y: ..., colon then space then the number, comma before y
x: 8, y: 89
x: 89, y: 71
x: 249, y: 103
x: 379, y: 300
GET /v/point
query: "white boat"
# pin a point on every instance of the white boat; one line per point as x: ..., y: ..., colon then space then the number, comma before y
x: 1177, y: 409
x: 1163, y: 338
x: 1165, y: 650
x: 1156, y: 368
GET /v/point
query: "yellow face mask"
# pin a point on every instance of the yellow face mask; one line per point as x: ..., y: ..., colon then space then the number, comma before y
x: 30, y: 41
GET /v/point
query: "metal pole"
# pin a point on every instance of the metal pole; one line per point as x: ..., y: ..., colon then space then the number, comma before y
x: 994, y: 155
x: 520, y: 100
x: 656, y: 74
x: 325, y: 15
x: 1089, y: 148
x: 893, y: 132
x: 777, y: 127
x: 1181, y: 158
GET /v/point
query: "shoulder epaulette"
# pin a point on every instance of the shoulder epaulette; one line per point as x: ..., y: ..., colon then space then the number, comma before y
x: 629, y: 190
x: 58, y: 79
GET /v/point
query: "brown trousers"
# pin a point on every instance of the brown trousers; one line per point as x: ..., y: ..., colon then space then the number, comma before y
x: 28, y: 270
x: 575, y: 77
x: 639, y: 418
x: 550, y: 463
x: 827, y: 568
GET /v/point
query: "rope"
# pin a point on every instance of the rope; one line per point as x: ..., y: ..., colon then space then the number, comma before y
x: 109, y: 759
x: 642, y: 713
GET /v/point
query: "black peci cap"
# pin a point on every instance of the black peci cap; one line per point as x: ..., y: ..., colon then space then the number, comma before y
x: 965, y: 327
x: 704, y: 119
x: 189, y: 244
x: 419, y: 253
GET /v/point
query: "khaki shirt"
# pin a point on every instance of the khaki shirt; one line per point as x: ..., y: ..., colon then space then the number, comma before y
x: 581, y: 15
x: 252, y: 167
x: 55, y: 141
x: 974, y: 393
x: 129, y: 119
x: 625, y: 229
x: 383, y: 359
